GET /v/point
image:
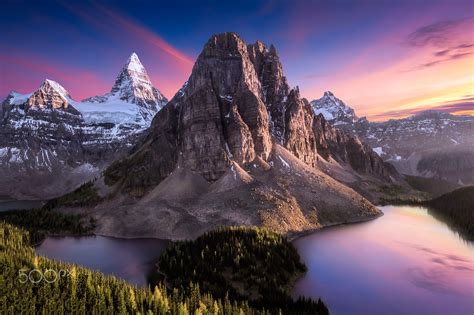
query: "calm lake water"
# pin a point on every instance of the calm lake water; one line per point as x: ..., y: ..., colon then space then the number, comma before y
x: 129, y: 259
x: 6, y: 205
x: 406, y: 262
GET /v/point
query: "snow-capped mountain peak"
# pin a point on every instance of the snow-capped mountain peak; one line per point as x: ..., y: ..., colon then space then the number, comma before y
x: 50, y: 95
x: 133, y: 86
x: 134, y: 64
x: 333, y: 109
x: 15, y: 98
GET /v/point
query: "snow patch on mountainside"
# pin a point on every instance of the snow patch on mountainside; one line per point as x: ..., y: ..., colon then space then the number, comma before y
x: 325, y: 112
x: 17, y: 98
x: 378, y: 150
x: 114, y: 111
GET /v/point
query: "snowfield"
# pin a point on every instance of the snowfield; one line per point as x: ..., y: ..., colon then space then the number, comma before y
x: 114, y: 110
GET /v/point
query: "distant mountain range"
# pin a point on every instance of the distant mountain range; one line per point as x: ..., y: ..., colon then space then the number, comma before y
x: 429, y: 144
x: 51, y: 143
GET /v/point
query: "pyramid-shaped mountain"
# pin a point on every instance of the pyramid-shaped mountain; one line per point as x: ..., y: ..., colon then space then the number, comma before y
x: 236, y: 145
x: 133, y: 85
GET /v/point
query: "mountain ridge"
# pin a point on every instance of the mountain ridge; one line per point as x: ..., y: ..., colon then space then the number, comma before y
x: 429, y: 143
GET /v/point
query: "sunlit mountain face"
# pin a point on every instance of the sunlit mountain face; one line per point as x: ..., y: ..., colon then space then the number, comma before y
x: 260, y: 157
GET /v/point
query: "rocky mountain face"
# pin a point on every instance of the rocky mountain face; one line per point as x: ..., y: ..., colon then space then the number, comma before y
x: 236, y: 145
x: 428, y: 144
x: 51, y: 143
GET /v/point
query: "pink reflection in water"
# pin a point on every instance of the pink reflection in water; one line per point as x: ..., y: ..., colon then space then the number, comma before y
x: 406, y: 262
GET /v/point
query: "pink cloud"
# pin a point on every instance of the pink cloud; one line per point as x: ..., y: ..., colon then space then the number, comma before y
x: 149, y: 37
x: 170, y: 68
x: 25, y: 73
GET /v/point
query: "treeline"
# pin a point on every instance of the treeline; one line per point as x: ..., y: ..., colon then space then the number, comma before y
x: 85, y: 195
x: 245, y: 264
x: 33, y: 284
x: 457, y: 208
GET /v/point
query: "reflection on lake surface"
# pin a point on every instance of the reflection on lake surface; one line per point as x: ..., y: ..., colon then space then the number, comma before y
x: 6, y: 205
x: 129, y: 259
x: 406, y: 262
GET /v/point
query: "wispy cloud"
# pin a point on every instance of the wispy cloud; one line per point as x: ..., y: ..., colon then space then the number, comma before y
x: 453, y: 107
x: 26, y: 72
x: 443, y: 60
x: 147, y: 35
x: 448, y: 40
x: 112, y: 21
x: 439, y: 34
x: 171, y: 66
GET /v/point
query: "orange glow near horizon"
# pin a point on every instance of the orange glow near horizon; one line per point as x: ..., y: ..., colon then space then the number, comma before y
x: 414, y: 78
x: 395, y: 89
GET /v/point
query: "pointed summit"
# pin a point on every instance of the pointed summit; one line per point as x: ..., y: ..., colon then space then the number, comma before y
x: 328, y: 93
x: 50, y: 95
x: 334, y: 110
x: 134, y: 64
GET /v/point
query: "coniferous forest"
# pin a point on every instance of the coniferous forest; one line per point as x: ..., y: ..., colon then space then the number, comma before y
x: 246, y: 264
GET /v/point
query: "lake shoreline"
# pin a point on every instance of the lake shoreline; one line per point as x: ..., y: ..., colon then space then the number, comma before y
x: 293, y: 236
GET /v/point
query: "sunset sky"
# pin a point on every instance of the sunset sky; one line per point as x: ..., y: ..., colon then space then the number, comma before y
x: 386, y: 59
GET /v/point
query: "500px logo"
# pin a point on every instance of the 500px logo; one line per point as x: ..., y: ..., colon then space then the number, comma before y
x: 36, y: 275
